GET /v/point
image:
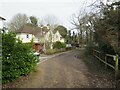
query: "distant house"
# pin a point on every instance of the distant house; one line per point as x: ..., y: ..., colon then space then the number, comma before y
x: 52, y: 37
x: 27, y: 34
x: 1, y: 22
x: 56, y: 36
x: 42, y: 34
x: 39, y: 35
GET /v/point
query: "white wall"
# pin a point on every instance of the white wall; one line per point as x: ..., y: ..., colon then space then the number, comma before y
x: 56, y: 37
x: 48, y: 36
x: 1, y: 23
x: 23, y: 37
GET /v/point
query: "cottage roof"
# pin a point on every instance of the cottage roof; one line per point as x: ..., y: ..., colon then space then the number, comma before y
x: 2, y: 18
x: 32, y: 30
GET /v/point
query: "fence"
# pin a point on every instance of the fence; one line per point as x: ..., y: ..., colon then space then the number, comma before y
x: 109, y: 60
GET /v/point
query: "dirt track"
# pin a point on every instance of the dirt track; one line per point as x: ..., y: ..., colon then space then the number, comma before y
x: 63, y: 71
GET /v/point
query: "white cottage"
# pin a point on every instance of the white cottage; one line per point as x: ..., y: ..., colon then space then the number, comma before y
x: 58, y: 37
x: 27, y: 34
x: 55, y: 36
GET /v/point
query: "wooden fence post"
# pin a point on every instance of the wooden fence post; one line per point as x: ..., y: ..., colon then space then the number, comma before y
x: 93, y: 52
x: 106, y: 62
x: 116, y: 66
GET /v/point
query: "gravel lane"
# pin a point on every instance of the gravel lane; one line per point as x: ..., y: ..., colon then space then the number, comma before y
x: 62, y: 71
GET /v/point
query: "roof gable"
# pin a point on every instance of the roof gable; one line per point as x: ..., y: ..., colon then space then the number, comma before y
x: 2, y: 18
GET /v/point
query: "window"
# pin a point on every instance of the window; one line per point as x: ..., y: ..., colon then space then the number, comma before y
x: 27, y: 36
x: 60, y: 38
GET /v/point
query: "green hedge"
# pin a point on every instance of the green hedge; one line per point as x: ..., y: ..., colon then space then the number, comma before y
x: 59, y: 45
x: 17, y: 58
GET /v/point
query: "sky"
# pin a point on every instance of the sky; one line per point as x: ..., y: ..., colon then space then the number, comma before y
x: 61, y: 9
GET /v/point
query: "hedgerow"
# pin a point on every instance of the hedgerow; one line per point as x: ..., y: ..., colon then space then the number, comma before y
x: 17, y: 58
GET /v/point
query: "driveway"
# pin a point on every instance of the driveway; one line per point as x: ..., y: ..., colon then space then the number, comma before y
x: 62, y: 71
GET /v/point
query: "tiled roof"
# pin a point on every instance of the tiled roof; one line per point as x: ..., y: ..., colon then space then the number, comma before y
x: 32, y: 30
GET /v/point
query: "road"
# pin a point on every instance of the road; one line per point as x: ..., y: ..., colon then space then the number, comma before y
x: 62, y: 71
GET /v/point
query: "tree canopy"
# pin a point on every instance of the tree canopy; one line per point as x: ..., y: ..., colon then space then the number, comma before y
x: 101, y: 27
x: 107, y: 26
x: 34, y: 20
x: 62, y: 30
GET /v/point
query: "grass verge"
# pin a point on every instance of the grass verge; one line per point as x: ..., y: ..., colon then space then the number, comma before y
x: 54, y: 51
x: 98, y: 68
x: 94, y: 65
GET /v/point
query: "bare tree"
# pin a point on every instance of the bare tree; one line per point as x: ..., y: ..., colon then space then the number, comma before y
x: 78, y: 21
x: 83, y: 21
x: 18, y: 21
x: 52, y: 23
x: 51, y: 20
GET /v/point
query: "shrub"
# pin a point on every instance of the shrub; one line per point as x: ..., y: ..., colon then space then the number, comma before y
x: 63, y: 45
x: 103, y: 47
x: 59, y: 45
x: 89, y: 48
x: 17, y: 58
x: 106, y: 48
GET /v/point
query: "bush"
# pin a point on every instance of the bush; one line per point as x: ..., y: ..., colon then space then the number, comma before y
x: 52, y: 51
x: 89, y: 48
x: 59, y: 45
x: 103, y: 47
x: 63, y: 45
x: 17, y: 58
x: 106, y: 48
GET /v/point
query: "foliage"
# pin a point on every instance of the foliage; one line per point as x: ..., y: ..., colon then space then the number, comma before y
x: 74, y: 38
x: 18, y: 58
x: 107, y: 28
x: 89, y: 48
x: 103, y: 45
x: 69, y: 37
x: 59, y: 45
x: 101, y: 28
x: 63, y: 45
x: 62, y: 30
x: 104, y: 24
x: 34, y: 21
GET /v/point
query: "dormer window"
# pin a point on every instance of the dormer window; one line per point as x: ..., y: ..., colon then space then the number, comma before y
x: 27, y: 36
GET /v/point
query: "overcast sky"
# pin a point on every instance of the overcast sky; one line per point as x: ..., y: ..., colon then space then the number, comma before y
x: 62, y: 9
